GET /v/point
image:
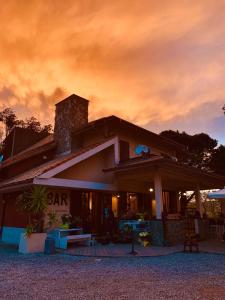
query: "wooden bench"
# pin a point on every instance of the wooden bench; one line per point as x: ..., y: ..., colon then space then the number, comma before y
x: 63, y: 243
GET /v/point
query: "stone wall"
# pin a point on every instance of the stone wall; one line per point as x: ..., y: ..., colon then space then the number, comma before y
x: 174, y: 232
x: 71, y: 114
x: 157, y: 233
x: 167, y: 233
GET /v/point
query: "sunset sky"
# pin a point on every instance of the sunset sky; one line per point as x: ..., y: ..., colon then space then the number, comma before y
x: 159, y: 64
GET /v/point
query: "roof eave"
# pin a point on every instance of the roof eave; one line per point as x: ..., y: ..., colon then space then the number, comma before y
x: 178, y: 147
x: 165, y: 162
x: 11, y: 160
x: 16, y: 187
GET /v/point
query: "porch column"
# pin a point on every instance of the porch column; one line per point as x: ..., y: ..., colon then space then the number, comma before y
x: 198, y: 200
x: 158, y: 196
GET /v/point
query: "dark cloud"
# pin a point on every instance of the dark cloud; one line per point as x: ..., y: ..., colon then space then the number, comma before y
x: 6, y: 93
x: 203, y: 118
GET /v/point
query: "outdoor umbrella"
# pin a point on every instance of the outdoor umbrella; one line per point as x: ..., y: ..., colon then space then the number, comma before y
x: 217, y: 195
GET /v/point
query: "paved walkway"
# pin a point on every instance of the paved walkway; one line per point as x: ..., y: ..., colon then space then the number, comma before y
x: 213, y: 246
x: 121, y: 250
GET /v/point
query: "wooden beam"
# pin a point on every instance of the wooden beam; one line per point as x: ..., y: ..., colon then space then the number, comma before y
x: 75, y: 184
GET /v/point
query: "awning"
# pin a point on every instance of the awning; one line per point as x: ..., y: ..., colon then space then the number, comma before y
x: 217, y: 195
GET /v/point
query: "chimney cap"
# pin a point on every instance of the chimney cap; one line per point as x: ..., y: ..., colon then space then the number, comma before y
x: 72, y: 97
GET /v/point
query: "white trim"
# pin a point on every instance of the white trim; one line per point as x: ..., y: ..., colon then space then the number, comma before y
x: 78, y: 159
x: 71, y: 183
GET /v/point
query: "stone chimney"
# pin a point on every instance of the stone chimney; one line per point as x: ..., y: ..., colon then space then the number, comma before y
x: 71, y: 114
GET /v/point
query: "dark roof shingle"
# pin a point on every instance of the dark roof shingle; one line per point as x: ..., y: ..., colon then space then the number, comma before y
x: 37, y: 171
x: 43, y: 145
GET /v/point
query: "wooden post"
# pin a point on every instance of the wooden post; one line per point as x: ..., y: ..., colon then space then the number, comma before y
x: 158, y: 196
x: 198, y: 199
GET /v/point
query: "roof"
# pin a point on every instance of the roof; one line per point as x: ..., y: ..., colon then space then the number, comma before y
x: 128, y: 125
x: 29, y: 175
x: 139, y: 164
x: 165, y: 164
x: 48, y: 142
x: 143, y: 162
x: 43, y: 145
x: 19, y: 139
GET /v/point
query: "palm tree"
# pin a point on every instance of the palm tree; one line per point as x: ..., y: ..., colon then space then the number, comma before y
x: 34, y: 202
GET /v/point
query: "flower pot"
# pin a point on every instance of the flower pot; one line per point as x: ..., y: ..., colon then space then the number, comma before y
x: 33, y: 244
x: 146, y: 243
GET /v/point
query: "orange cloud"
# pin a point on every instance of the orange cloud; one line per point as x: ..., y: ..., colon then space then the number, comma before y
x: 147, y: 61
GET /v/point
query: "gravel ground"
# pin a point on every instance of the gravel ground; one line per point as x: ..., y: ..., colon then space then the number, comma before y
x: 177, y: 276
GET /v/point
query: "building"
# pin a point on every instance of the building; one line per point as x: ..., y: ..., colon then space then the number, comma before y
x: 89, y: 166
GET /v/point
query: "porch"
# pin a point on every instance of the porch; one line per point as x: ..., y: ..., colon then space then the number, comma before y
x: 122, y: 250
x: 140, y: 189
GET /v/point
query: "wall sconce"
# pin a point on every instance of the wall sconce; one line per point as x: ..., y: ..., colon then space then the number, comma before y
x: 151, y: 190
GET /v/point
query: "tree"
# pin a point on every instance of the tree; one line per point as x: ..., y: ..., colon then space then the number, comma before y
x: 9, y: 119
x: 33, y: 124
x: 199, y: 147
x: 184, y: 200
x: 47, y: 128
x: 1, y: 138
x: 34, y: 202
x: 217, y: 160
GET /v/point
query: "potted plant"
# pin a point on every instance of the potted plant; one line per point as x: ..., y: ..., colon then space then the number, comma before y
x: 144, y: 238
x: 66, y: 221
x: 52, y: 221
x: 34, y: 202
